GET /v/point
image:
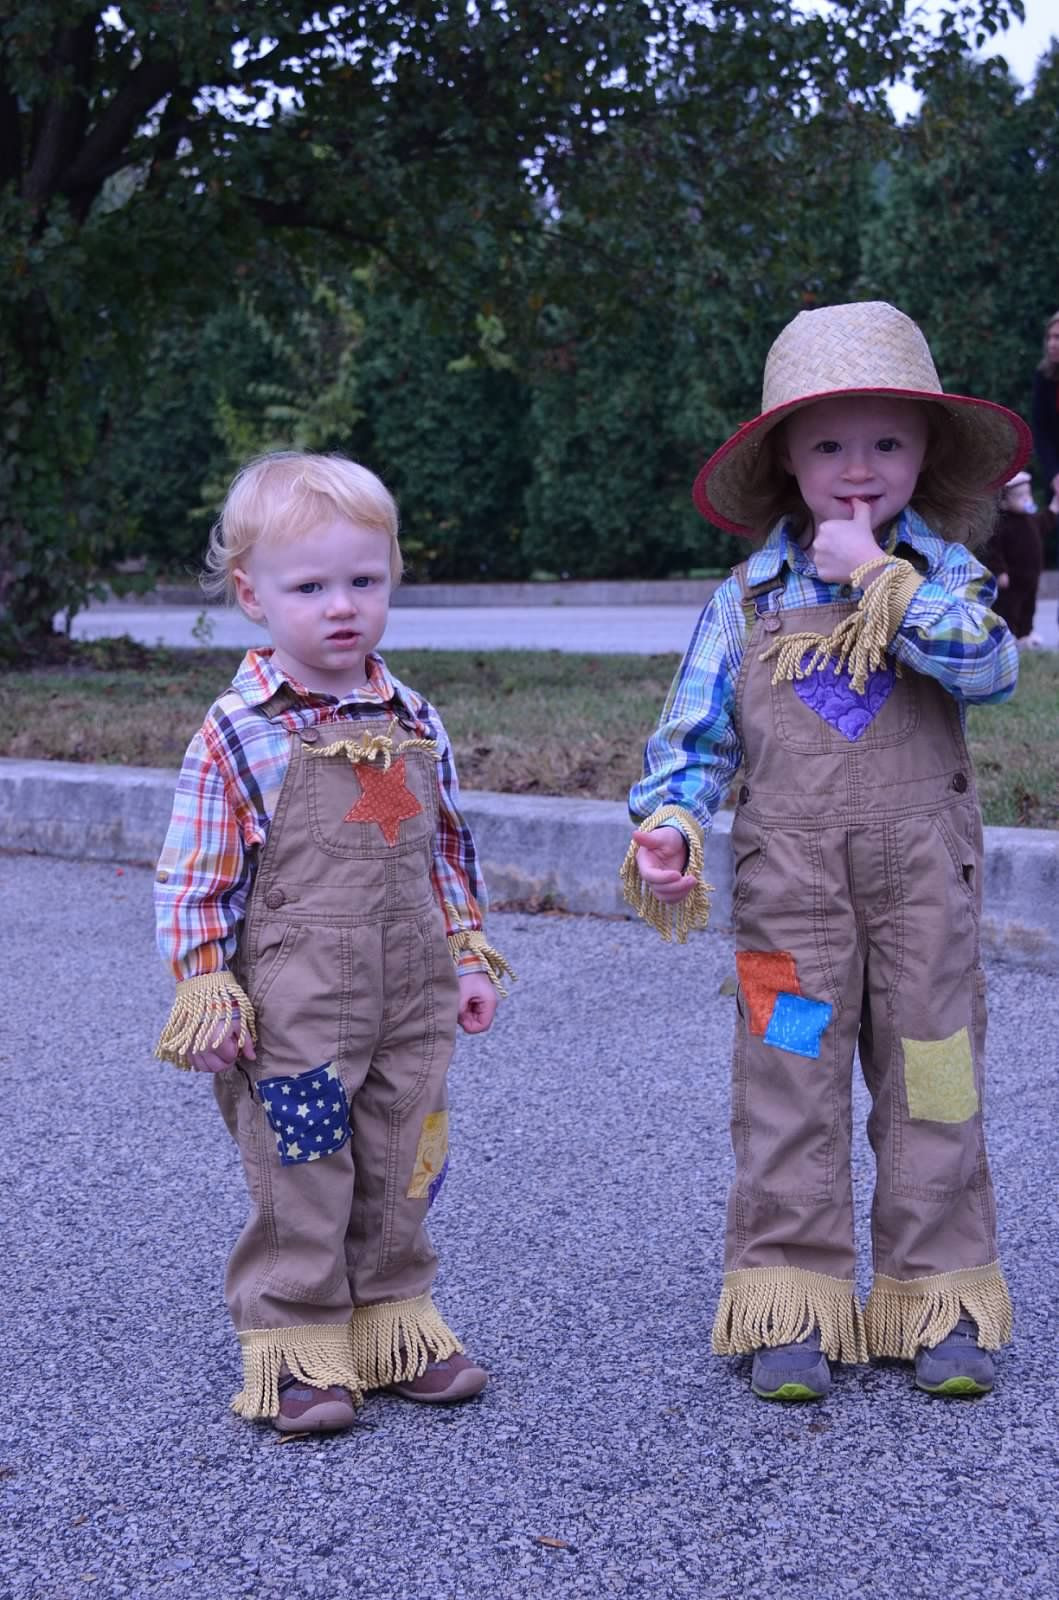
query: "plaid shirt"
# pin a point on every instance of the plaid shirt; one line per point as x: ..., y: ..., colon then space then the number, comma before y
x: 948, y: 633
x: 227, y: 793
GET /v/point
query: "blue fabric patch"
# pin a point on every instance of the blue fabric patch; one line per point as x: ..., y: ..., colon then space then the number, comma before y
x: 308, y: 1113
x: 797, y: 1024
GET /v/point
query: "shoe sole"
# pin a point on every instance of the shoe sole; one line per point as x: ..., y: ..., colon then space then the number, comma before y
x: 464, y: 1387
x: 957, y: 1388
x: 788, y: 1391
x: 328, y: 1418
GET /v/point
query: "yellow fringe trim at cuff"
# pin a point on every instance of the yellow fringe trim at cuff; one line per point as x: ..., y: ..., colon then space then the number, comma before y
x: 496, y: 966
x: 859, y: 641
x: 902, y: 1316
x: 319, y: 1355
x: 767, y: 1306
x: 203, y: 1012
x: 689, y: 915
x: 393, y: 1342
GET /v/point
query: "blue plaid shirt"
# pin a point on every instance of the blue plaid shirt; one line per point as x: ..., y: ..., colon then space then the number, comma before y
x: 948, y: 633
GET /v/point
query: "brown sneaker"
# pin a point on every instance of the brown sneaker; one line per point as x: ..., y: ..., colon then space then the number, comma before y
x: 455, y: 1378
x: 303, y: 1409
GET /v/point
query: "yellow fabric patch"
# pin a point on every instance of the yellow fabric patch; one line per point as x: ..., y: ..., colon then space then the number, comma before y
x: 939, y: 1078
x: 430, y: 1155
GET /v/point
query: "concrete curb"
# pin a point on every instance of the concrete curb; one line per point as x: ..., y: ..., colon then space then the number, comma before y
x: 541, y: 852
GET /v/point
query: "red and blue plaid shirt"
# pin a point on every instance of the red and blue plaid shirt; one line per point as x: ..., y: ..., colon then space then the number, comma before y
x: 226, y: 797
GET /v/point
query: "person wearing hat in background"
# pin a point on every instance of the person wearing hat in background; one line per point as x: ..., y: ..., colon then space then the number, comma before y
x: 834, y: 665
x: 1015, y: 555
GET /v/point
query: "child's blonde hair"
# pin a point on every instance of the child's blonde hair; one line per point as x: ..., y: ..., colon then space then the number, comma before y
x: 282, y: 496
x: 941, y: 496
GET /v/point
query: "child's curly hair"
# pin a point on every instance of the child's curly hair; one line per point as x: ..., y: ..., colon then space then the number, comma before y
x: 941, y: 496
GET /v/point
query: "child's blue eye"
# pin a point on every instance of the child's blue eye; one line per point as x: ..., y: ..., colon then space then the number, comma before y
x: 362, y: 583
x: 308, y: 588
x: 827, y: 447
x: 888, y: 445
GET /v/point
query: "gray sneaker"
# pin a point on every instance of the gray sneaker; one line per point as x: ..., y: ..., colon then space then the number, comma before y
x: 792, y: 1371
x: 956, y: 1366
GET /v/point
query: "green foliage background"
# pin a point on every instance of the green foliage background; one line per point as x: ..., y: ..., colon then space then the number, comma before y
x: 524, y: 261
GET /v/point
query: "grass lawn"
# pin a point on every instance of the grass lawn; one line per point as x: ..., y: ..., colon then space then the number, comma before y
x: 521, y: 721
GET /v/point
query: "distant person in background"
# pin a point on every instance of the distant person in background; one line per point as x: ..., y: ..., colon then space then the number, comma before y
x: 1045, y: 410
x: 1015, y: 555
x: 1045, y: 414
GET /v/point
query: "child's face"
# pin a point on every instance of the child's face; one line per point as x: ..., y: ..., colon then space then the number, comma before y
x: 857, y: 448
x: 324, y: 597
x: 1019, y: 497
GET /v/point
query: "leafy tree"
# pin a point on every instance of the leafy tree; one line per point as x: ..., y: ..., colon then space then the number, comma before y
x: 148, y: 151
x: 960, y: 237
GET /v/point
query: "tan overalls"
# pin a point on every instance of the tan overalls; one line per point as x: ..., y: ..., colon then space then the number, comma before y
x: 856, y: 911
x: 344, y: 956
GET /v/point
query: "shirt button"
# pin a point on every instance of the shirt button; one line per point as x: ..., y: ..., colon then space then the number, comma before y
x: 959, y: 783
x: 846, y: 592
x: 310, y: 735
x: 772, y: 623
x: 744, y: 794
x: 274, y: 899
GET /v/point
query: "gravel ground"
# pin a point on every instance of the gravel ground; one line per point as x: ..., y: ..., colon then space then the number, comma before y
x: 580, y: 1236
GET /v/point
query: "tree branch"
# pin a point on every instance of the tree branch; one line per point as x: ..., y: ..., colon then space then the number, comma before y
x: 65, y: 117
x: 109, y: 139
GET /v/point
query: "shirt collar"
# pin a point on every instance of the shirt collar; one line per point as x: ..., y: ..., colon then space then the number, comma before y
x: 259, y: 680
x: 781, y: 548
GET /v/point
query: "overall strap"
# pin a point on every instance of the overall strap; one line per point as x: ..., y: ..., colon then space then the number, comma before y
x: 753, y: 597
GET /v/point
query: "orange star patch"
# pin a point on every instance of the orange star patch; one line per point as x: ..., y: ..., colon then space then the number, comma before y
x: 385, y: 798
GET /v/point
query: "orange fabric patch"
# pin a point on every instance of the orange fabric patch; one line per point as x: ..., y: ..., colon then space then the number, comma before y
x: 385, y: 798
x: 763, y: 974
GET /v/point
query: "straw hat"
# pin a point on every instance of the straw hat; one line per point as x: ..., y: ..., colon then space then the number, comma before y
x: 868, y: 347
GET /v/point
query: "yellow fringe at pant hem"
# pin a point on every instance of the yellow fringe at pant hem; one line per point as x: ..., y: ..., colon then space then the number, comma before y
x: 393, y: 1342
x: 902, y: 1316
x: 319, y: 1355
x: 766, y: 1306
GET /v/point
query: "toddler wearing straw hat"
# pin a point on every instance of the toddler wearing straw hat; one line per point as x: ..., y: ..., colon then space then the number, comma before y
x: 833, y: 667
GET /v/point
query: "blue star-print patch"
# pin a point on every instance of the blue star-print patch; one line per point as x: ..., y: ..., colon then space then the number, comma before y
x: 797, y: 1024
x: 308, y: 1113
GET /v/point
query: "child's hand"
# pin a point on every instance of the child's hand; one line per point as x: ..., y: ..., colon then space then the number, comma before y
x: 478, y: 1000
x: 223, y: 1051
x: 843, y: 544
x: 660, y: 860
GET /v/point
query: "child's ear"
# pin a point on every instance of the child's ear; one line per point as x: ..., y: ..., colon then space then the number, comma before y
x: 246, y: 595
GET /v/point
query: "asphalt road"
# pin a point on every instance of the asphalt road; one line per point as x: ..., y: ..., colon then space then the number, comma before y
x: 580, y: 1235
x: 641, y: 629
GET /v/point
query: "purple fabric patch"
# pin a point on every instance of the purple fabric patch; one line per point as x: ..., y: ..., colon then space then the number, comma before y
x: 832, y: 696
x: 436, y: 1181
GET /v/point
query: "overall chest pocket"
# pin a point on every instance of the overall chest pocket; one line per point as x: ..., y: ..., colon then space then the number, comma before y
x: 823, y: 715
x: 368, y: 810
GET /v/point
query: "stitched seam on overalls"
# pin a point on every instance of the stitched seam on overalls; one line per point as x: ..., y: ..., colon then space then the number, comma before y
x: 394, y: 1186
